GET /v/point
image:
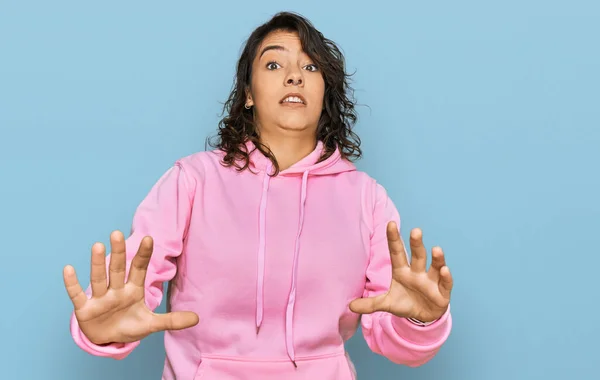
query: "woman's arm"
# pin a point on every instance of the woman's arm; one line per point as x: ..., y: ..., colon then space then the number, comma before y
x: 164, y: 215
x: 401, y: 340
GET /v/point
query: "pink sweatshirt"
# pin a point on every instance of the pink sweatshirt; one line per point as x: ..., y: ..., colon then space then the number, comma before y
x: 270, y: 265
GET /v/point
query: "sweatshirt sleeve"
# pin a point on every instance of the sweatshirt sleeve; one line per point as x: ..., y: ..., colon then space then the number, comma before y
x: 399, y: 339
x: 164, y: 215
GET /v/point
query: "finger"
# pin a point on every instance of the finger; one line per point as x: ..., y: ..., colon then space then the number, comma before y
x: 437, y: 262
x: 176, y: 320
x: 139, y: 264
x: 418, y: 262
x: 73, y: 287
x: 118, y: 260
x: 396, y: 246
x: 98, y: 279
x: 368, y: 305
x: 446, y: 282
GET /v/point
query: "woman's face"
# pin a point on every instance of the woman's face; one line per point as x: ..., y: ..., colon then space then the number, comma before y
x: 287, y: 87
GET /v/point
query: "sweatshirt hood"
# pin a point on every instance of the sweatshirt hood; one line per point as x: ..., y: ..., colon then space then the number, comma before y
x: 334, y: 164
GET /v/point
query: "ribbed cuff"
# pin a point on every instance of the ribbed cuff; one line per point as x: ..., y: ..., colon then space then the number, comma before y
x: 114, y: 350
x: 423, y: 333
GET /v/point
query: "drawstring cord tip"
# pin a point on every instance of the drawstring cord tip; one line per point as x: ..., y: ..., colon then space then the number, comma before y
x: 295, y: 365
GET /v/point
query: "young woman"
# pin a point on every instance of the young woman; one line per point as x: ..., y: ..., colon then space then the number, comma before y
x: 274, y: 245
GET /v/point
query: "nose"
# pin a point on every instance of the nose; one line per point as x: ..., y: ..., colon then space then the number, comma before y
x: 294, y: 78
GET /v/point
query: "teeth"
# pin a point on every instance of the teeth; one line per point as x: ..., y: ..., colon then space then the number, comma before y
x: 292, y: 99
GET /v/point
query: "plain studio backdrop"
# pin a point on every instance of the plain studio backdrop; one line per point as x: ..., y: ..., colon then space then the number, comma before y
x: 481, y: 119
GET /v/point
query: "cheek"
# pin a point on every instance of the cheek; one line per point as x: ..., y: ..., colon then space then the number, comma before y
x: 319, y: 86
x: 318, y: 94
x: 265, y: 88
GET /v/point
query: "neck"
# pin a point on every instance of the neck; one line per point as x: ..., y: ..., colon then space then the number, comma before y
x: 289, y: 149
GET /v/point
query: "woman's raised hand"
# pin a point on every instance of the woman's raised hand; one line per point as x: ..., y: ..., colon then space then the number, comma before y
x: 116, y: 311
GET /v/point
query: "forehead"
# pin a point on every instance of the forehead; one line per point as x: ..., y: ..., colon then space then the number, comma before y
x: 288, y: 40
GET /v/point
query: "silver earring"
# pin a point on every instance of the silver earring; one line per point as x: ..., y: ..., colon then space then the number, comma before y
x: 247, y: 107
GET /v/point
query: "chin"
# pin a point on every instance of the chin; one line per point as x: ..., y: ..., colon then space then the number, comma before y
x: 295, y: 125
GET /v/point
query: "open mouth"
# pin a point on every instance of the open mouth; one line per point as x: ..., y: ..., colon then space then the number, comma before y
x: 293, y: 99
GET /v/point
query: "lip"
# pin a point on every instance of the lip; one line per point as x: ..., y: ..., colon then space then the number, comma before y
x: 296, y: 95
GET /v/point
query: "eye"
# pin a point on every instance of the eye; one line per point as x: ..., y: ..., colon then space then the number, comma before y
x: 311, y: 67
x: 273, y: 65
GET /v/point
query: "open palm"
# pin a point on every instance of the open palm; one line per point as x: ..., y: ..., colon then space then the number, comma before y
x: 116, y: 311
x: 414, y: 292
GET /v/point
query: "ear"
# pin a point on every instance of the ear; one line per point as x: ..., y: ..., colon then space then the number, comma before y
x: 249, y: 100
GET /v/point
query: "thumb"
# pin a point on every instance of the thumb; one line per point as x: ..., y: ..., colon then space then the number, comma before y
x: 367, y: 305
x: 177, y: 320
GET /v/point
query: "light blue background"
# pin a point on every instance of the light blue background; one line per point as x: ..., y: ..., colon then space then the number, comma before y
x: 482, y: 122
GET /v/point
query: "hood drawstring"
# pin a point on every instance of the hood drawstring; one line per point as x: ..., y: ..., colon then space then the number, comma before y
x: 289, y: 315
x: 261, y: 249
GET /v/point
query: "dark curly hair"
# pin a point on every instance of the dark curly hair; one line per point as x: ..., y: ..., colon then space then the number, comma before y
x: 338, y: 115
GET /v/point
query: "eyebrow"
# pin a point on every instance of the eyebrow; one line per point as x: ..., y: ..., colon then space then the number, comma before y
x: 271, y: 47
